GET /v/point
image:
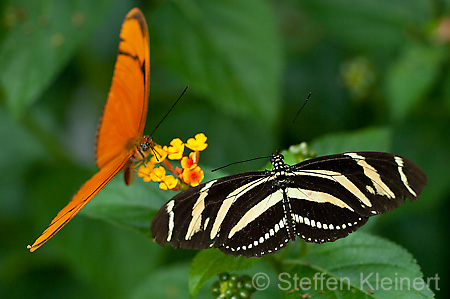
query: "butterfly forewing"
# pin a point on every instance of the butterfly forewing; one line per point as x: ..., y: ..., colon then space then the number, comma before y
x: 125, y: 111
x: 369, y: 182
x: 319, y: 200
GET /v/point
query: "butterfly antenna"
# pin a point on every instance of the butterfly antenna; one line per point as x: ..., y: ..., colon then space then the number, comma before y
x: 238, y: 162
x: 155, y: 154
x: 171, y: 108
x: 298, y: 112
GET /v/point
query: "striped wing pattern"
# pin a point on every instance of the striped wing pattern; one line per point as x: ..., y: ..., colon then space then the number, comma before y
x: 319, y: 200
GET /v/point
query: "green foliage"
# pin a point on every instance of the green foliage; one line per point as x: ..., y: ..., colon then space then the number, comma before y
x: 359, y: 266
x: 413, y: 76
x: 39, y: 40
x: 233, y: 60
x: 167, y: 282
x: 128, y: 206
x: 208, y: 263
x: 360, y: 263
x: 379, y: 76
x: 368, y: 139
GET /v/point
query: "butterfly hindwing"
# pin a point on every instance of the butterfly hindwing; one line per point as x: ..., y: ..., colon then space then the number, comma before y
x: 320, y: 220
x: 209, y: 215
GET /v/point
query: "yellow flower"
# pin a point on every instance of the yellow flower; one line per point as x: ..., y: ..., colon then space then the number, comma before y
x: 180, y: 178
x: 176, y: 149
x: 144, y: 172
x: 168, y: 182
x: 193, y: 176
x: 158, y: 174
x: 198, y: 143
x: 161, y: 154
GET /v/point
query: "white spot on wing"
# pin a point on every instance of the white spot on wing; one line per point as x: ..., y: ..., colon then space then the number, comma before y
x: 281, y: 223
x: 370, y: 189
x: 306, y: 220
x: 276, y: 228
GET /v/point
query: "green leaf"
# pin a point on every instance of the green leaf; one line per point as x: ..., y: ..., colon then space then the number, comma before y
x: 355, y: 266
x: 110, y: 260
x: 20, y: 148
x: 132, y: 206
x: 210, y: 262
x: 412, y: 76
x: 370, y: 139
x: 227, y: 50
x: 167, y: 282
x: 39, y: 39
x: 446, y: 91
x: 371, y: 25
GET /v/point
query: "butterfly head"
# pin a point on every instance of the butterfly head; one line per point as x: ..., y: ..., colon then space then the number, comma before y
x: 142, y: 148
x: 146, y: 143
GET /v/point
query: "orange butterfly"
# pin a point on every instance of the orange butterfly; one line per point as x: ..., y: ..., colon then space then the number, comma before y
x: 120, y: 144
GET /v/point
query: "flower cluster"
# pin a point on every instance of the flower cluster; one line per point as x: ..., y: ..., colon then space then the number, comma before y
x: 180, y: 178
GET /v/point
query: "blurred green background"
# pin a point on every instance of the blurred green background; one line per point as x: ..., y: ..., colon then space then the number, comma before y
x: 378, y: 70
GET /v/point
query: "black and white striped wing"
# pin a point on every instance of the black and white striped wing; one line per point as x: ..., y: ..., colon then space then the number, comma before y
x: 319, y: 200
x: 240, y: 214
x: 332, y: 196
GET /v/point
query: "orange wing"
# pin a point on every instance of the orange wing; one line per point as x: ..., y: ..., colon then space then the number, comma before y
x: 80, y: 199
x: 123, y: 118
x: 125, y: 111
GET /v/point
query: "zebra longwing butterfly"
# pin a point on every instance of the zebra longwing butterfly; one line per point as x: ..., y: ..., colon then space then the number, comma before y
x: 319, y: 200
